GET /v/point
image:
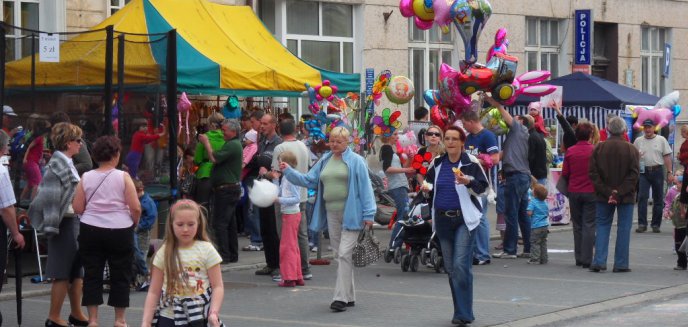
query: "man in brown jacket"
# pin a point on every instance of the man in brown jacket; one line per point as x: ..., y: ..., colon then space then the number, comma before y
x: 614, y: 170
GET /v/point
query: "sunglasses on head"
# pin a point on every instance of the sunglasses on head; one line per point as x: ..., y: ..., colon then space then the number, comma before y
x: 433, y: 134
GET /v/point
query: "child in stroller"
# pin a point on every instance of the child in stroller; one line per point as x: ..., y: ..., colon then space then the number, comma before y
x: 422, y: 246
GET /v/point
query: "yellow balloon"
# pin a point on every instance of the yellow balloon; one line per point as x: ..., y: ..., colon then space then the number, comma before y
x: 325, y: 91
x: 422, y: 11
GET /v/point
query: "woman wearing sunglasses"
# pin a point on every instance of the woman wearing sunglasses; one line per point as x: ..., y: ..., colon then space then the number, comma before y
x: 433, y: 139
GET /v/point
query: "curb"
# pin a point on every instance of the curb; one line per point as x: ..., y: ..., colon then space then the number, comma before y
x: 595, y: 308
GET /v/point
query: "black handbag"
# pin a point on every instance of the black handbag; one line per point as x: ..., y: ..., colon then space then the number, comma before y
x: 367, y: 249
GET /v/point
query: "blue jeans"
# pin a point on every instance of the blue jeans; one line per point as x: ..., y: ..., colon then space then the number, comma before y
x: 482, y: 234
x: 457, y: 250
x: 400, y: 196
x: 655, y: 180
x: 139, y: 258
x: 252, y: 224
x: 516, y: 196
x: 605, y: 214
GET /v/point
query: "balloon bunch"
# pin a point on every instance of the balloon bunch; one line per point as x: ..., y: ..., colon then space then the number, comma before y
x: 492, y: 119
x: 666, y: 109
x: 329, y: 110
x: 386, y: 123
x: 469, y: 18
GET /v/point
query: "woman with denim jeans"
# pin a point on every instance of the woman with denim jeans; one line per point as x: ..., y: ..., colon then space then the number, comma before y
x: 454, y: 183
x: 397, y: 184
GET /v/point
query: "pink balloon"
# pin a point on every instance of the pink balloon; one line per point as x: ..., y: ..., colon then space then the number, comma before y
x: 500, y: 45
x: 422, y: 24
x: 450, y: 95
x: 660, y: 116
x: 406, y: 8
x: 442, y: 9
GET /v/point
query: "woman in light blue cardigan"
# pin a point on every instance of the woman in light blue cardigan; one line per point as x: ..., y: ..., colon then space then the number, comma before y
x: 345, y: 198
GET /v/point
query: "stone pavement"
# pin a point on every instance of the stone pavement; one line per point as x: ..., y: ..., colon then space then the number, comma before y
x: 506, y: 293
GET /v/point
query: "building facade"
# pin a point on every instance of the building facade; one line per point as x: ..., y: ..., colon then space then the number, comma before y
x: 629, y: 37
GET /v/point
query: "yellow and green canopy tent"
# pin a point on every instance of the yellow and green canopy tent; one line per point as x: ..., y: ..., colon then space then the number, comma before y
x: 220, y: 50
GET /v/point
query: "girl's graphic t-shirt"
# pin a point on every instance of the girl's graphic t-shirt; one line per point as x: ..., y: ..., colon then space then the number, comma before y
x: 196, y: 260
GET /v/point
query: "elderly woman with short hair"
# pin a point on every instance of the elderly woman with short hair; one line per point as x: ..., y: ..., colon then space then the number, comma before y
x: 345, y: 201
x: 581, y: 194
x: 51, y: 213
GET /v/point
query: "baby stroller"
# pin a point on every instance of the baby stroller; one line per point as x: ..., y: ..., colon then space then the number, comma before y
x: 422, y: 245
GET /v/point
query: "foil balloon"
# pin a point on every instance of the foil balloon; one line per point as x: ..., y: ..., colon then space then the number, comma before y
x: 449, y: 92
x: 325, y: 91
x: 379, y: 86
x: 500, y: 44
x: 422, y: 14
x: 521, y: 85
x: 431, y: 97
x: 442, y: 9
x: 400, y: 90
x: 440, y: 116
x: 492, y: 119
x: 470, y: 17
x: 663, y: 112
x: 313, y: 105
x: 386, y: 123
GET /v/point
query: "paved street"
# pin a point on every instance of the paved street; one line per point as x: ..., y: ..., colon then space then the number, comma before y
x: 507, y: 292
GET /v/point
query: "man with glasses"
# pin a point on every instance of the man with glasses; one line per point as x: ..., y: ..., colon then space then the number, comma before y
x: 482, y: 144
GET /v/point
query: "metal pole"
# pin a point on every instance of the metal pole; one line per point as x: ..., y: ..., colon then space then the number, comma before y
x: 120, y: 83
x: 107, y: 96
x: 172, y: 106
x: 33, y: 74
x: 3, y: 48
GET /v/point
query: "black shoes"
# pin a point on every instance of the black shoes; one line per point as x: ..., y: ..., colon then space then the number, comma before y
x: 351, y: 304
x: 460, y: 323
x: 338, y: 306
x: 641, y: 229
x: 621, y: 270
x: 597, y: 268
x: 77, y: 322
x: 50, y: 323
x: 656, y: 230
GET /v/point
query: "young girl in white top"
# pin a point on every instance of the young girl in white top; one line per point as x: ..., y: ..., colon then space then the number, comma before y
x: 186, y: 273
x: 290, y: 255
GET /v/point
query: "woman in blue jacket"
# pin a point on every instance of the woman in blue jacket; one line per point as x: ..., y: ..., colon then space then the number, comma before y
x: 454, y: 183
x: 345, y: 201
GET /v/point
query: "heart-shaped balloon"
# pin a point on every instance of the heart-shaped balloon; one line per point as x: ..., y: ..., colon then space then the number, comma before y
x: 439, y: 117
x: 449, y: 91
x: 469, y: 17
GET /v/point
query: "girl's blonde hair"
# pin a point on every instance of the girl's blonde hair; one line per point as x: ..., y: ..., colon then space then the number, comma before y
x: 289, y: 157
x: 173, y: 265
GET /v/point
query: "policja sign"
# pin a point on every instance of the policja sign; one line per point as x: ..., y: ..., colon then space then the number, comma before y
x: 583, y: 54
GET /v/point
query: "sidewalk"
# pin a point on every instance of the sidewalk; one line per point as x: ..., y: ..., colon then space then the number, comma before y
x: 247, y: 259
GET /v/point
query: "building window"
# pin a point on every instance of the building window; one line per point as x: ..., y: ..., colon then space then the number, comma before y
x: 321, y: 34
x: 652, y: 58
x: 22, y: 13
x: 115, y: 5
x: 428, y: 49
x: 542, y: 45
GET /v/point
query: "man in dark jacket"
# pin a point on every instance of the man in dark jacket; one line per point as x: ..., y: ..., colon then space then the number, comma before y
x: 537, y: 152
x: 614, y: 170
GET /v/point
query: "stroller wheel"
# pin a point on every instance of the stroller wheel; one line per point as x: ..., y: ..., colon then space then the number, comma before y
x: 414, y: 263
x: 389, y: 255
x: 433, y: 256
x: 397, y: 255
x: 405, y: 262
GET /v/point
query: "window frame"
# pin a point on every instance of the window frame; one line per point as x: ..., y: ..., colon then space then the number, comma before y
x: 17, y: 37
x: 340, y: 40
x: 426, y: 45
x: 116, y: 8
x: 540, y: 50
x: 653, y: 81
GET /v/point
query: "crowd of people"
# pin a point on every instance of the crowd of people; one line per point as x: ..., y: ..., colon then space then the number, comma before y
x: 325, y: 185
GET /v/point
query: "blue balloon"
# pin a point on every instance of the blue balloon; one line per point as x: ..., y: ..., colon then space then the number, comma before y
x: 429, y: 97
x: 677, y: 110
